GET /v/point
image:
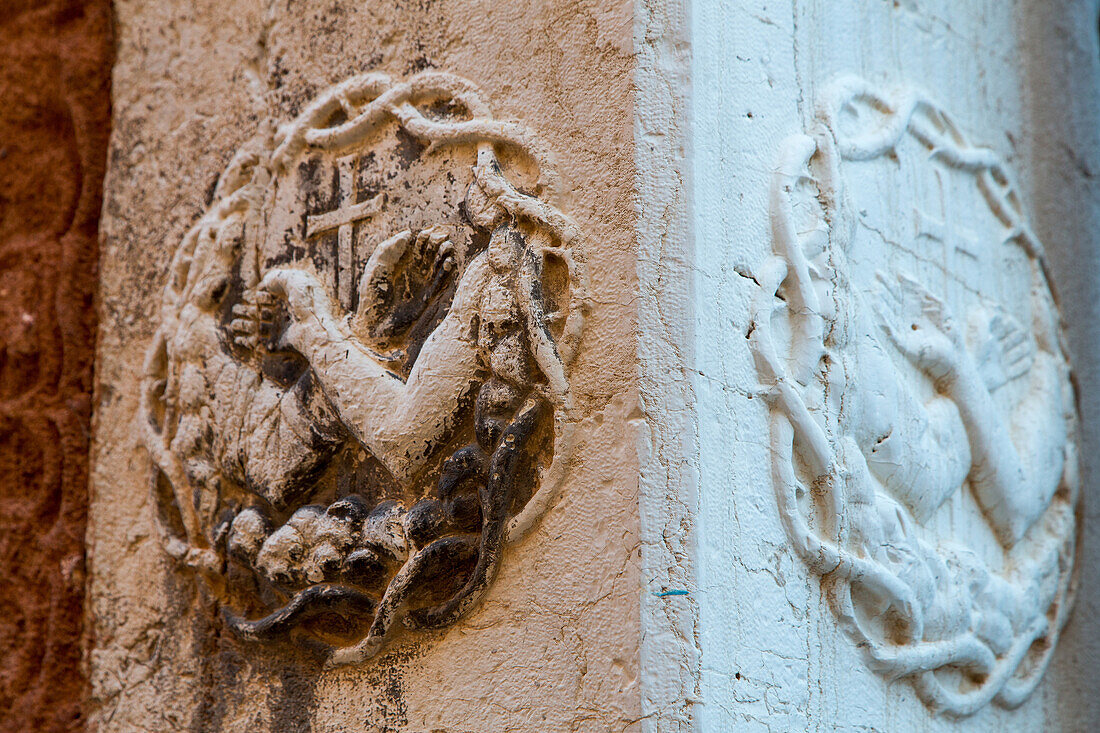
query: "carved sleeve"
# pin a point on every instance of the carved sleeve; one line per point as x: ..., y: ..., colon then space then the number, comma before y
x: 284, y: 438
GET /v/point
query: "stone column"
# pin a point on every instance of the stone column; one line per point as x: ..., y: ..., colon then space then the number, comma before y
x: 886, y: 525
x: 475, y: 366
x: 268, y: 511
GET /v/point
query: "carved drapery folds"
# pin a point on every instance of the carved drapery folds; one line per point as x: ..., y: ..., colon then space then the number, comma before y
x: 923, y: 417
x: 358, y: 392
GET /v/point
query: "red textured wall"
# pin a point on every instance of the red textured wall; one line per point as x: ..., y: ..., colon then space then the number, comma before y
x: 54, y: 114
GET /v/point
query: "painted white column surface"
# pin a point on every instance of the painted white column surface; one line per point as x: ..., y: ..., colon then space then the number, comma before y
x: 892, y: 210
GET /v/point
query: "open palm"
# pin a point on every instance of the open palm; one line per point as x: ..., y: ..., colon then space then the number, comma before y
x: 918, y: 324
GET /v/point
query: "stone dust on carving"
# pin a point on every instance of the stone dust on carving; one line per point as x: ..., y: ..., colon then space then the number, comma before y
x: 358, y: 392
x: 923, y: 418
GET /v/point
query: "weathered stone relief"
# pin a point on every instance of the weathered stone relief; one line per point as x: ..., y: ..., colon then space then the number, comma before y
x: 358, y: 392
x: 923, y: 415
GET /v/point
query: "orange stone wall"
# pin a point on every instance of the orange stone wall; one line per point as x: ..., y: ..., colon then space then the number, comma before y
x: 55, y: 60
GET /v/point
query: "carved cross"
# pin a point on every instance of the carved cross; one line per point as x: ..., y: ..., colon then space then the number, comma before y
x: 932, y: 227
x: 343, y: 219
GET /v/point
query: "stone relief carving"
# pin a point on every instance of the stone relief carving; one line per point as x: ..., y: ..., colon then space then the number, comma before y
x: 358, y: 390
x: 923, y: 416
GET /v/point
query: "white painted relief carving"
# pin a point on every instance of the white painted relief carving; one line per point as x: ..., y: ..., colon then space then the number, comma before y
x: 358, y: 392
x: 923, y: 416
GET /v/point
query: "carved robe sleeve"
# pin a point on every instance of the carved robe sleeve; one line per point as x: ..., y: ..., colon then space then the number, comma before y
x: 282, y: 439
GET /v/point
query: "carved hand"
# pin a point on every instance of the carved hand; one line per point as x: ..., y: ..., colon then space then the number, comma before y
x: 1004, y: 350
x: 308, y: 305
x: 918, y: 324
x: 400, y: 280
x: 254, y: 320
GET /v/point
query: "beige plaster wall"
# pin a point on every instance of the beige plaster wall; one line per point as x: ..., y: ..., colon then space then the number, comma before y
x: 554, y: 646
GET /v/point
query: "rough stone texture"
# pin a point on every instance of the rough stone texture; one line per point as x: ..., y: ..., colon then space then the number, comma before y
x: 54, y: 73
x: 554, y: 646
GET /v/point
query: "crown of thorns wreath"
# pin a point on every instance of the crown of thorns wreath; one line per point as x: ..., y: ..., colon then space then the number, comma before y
x: 365, y: 103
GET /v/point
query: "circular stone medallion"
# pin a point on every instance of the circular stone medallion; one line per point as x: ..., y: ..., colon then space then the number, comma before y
x: 358, y: 390
x: 923, y: 418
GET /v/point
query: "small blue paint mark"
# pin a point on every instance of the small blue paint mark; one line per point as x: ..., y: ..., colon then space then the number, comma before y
x: 664, y: 593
